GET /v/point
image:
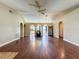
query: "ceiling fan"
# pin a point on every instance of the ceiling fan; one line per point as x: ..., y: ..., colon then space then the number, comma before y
x: 39, y: 7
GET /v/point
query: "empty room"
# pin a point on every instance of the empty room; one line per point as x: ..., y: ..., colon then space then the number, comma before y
x: 39, y: 29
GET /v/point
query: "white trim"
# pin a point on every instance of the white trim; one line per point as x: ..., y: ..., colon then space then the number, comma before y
x: 8, y: 42
x: 72, y: 42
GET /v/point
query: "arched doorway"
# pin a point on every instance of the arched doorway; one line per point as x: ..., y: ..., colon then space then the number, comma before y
x: 60, y: 29
x: 50, y: 30
x: 21, y: 30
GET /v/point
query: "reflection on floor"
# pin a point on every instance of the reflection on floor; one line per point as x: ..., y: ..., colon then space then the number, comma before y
x: 42, y: 48
x: 34, y: 48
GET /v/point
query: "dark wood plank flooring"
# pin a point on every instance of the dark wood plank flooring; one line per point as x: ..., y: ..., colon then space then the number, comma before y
x: 42, y: 48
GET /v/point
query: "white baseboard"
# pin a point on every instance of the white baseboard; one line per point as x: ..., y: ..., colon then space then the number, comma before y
x: 8, y: 42
x: 72, y: 42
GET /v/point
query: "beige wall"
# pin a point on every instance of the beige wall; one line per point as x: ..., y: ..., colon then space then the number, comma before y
x: 9, y: 25
x: 71, y: 27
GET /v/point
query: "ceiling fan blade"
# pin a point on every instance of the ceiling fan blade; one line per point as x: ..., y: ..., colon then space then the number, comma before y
x: 42, y: 10
x: 42, y: 13
x: 67, y: 11
x: 38, y: 5
x: 32, y: 5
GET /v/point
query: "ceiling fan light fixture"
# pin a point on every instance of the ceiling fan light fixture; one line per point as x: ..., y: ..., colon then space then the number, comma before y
x: 39, y: 7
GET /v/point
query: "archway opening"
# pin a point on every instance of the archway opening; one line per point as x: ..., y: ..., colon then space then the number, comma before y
x: 60, y: 29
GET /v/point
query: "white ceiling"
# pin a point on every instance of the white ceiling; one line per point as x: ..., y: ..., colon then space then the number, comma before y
x: 52, y: 6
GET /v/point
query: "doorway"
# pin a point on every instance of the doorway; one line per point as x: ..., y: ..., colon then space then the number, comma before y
x: 50, y: 31
x: 60, y: 29
x: 45, y: 30
x: 21, y: 30
x: 39, y: 30
x: 32, y: 30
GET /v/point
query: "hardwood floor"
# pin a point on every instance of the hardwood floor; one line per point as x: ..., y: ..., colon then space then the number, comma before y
x: 42, y: 48
x: 71, y: 51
